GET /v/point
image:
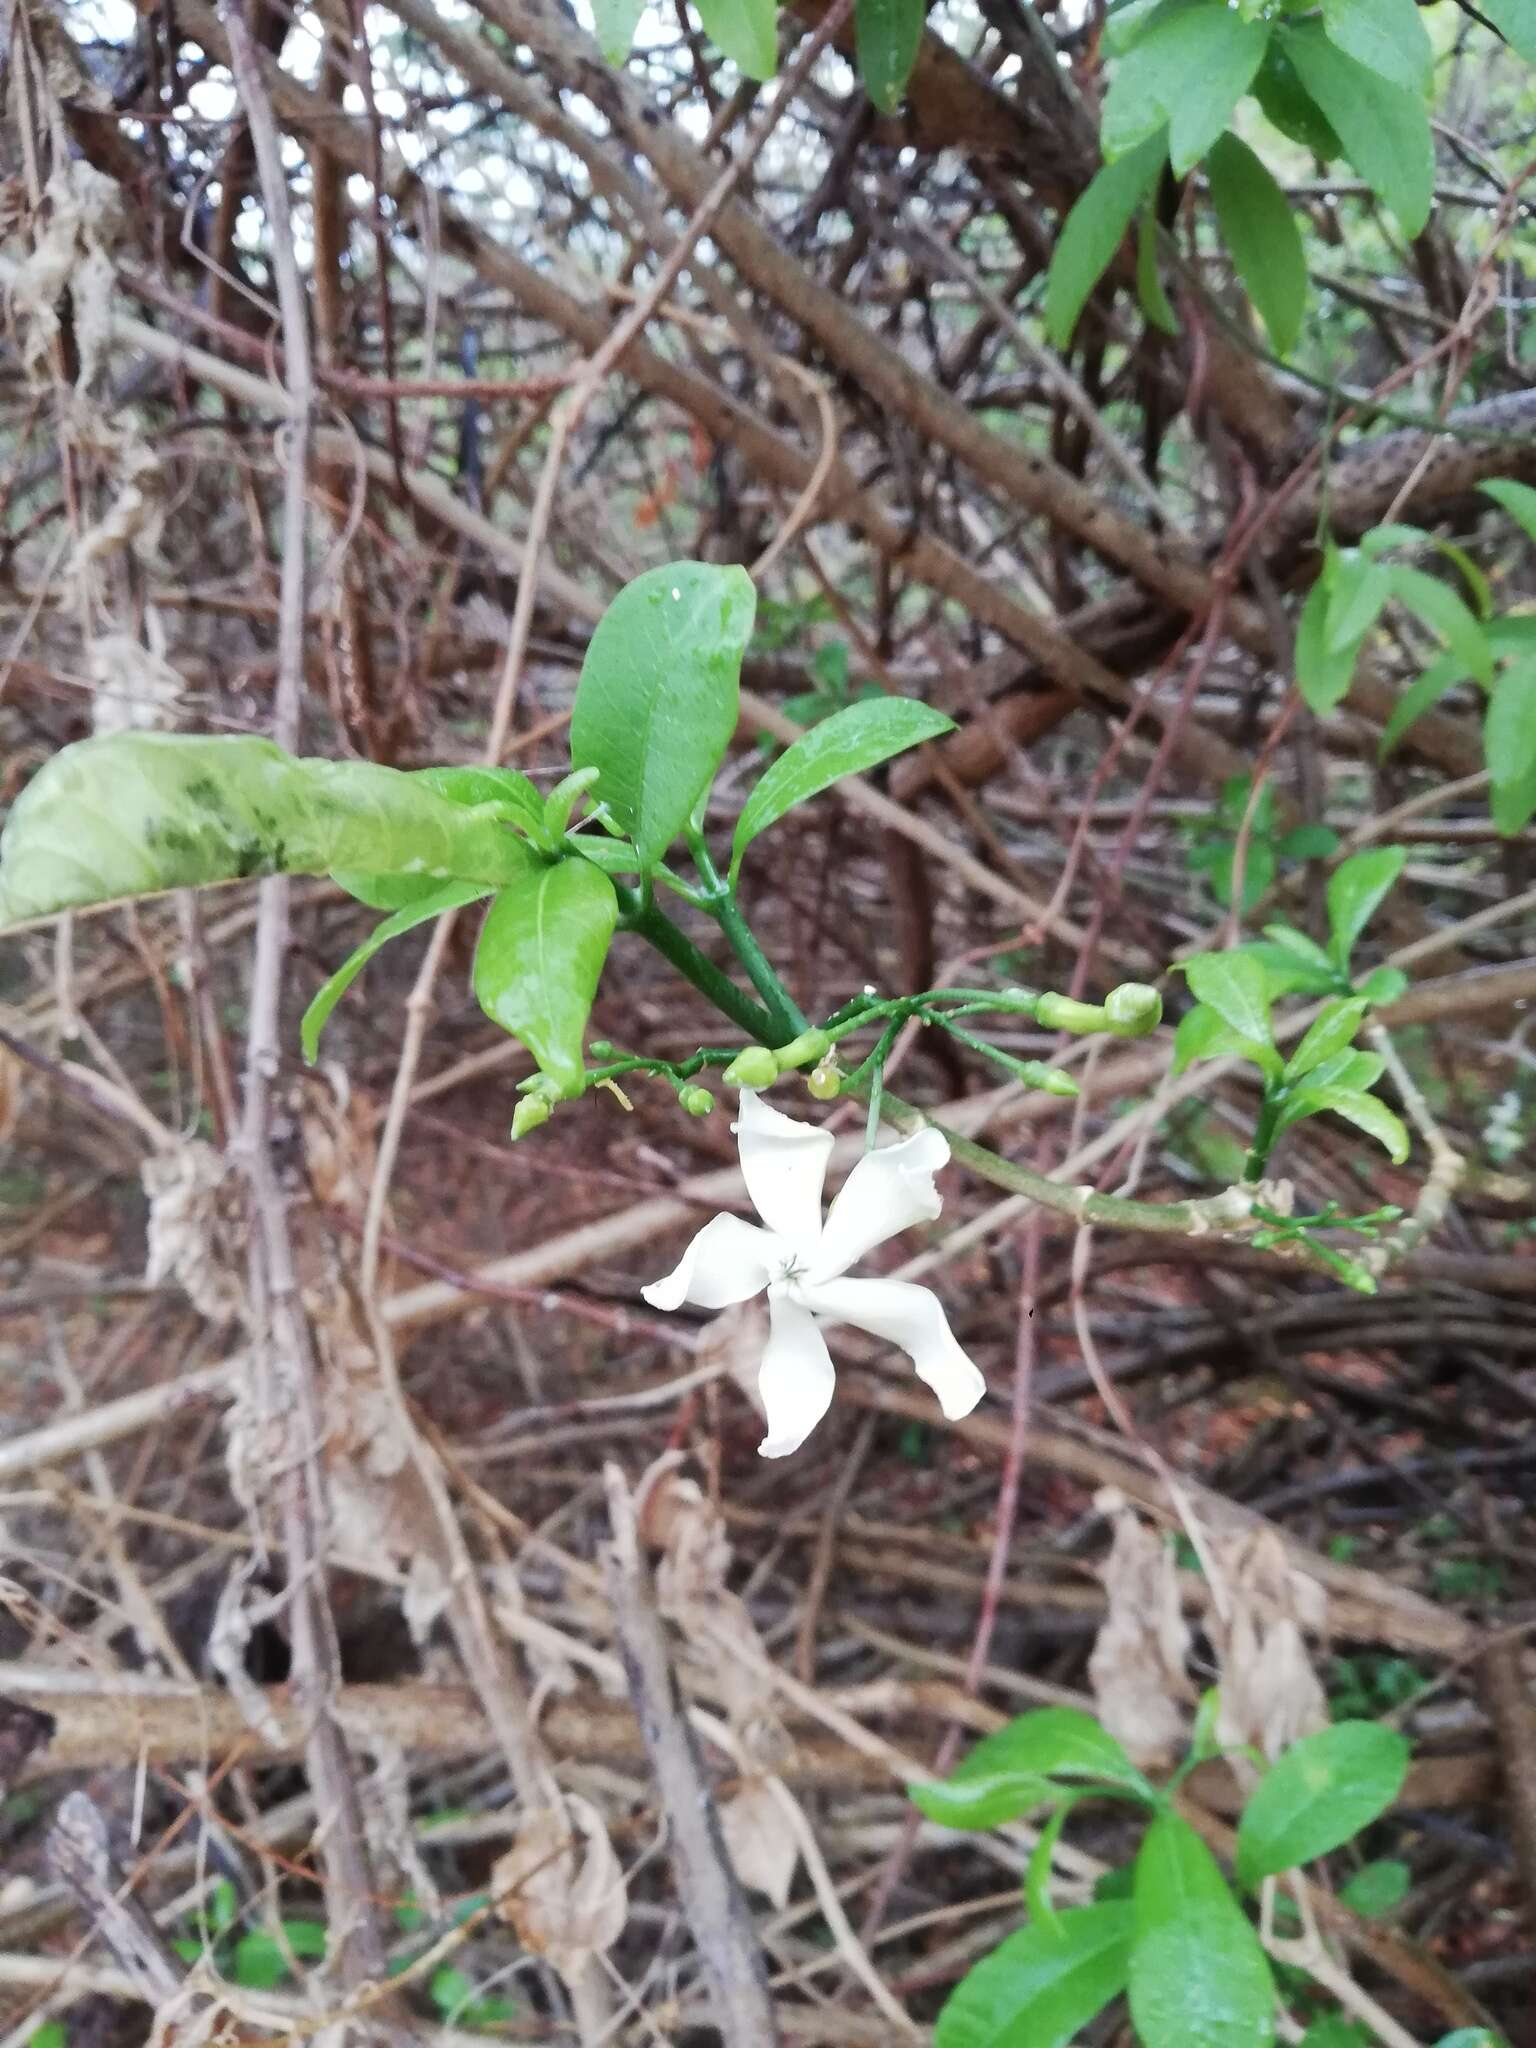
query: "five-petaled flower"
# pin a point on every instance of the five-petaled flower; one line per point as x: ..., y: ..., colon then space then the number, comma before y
x: 800, y: 1261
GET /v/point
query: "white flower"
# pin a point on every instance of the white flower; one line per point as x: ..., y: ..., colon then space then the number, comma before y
x: 800, y: 1262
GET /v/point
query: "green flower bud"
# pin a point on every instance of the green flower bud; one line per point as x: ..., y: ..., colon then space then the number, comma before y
x: 697, y: 1101
x: 601, y: 1049
x: 805, y: 1051
x: 532, y: 1111
x: 541, y: 1088
x: 1132, y: 1009
x: 1062, y: 1013
x: 754, y: 1067
x: 825, y: 1081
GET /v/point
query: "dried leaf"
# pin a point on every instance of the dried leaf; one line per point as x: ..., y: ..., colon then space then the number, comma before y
x: 1138, y: 1664
x: 196, y: 1228
x: 559, y: 1887
x: 760, y: 1840
x: 1270, y: 1694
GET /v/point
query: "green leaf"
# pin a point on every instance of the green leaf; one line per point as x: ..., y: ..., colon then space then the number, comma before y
x: 1334, y: 2032
x: 1386, y: 36
x: 1518, y: 500
x: 1288, y: 106
x: 1304, y: 948
x: 1309, y: 842
x: 657, y: 701
x: 1354, y: 1071
x: 519, y: 800
x: 386, y: 892
x: 130, y: 814
x: 1323, y: 674
x: 1260, y: 230
x: 1202, y: 1035
x: 1188, y: 71
x: 1329, y: 1034
x: 54, y: 2034
x: 1365, y: 1112
x: 540, y: 956
x: 1232, y: 984
x: 1041, y: 1986
x: 1155, y: 303
x: 1437, y: 681
x: 1384, y: 985
x: 613, y: 856
x: 445, y: 896
x: 1514, y: 21
x: 258, y: 1963
x: 1360, y: 589
x: 1383, y: 130
x: 1356, y: 889
x: 307, y: 1938
x: 847, y: 743
x: 1198, y: 1976
x: 1509, y: 741
x: 1289, y: 973
x: 1378, y: 1888
x: 1007, y: 1773
x: 616, y: 22
x: 1446, y: 616
x: 1092, y: 233
x: 1319, y: 1795
x: 1037, y: 1872
x: 746, y: 30
x: 887, y: 37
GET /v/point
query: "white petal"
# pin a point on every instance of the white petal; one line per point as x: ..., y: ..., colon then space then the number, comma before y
x: 796, y: 1378
x: 888, y: 1191
x: 784, y: 1164
x: 728, y: 1261
x: 911, y: 1317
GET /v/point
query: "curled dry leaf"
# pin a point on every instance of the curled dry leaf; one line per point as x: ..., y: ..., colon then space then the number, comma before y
x: 559, y: 1887
x: 759, y: 1840
x: 196, y: 1228
x: 1270, y: 1694
x: 1137, y: 1668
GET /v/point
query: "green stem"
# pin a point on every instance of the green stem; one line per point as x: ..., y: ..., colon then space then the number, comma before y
x: 719, y: 899
x: 658, y: 930
x: 1264, y: 1135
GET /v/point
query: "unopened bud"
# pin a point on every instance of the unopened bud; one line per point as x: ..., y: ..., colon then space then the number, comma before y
x: 697, y: 1101
x: 805, y: 1051
x: 825, y: 1081
x: 601, y: 1048
x: 1062, y: 1013
x: 532, y: 1111
x: 1132, y: 1009
x: 541, y: 1088
x: 754, y: 1067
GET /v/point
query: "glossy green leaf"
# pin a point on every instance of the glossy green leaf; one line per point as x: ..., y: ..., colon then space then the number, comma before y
x: 445, y: 896
x: 1129, y: 20
x: 1383, y: 130
x: 540, y: 956
x: 1202, y: 1035
x: 1232, y: 984
x: 1356, y: 889
x: 1509, y: 740
x: 1334, y: 2032
x: 1438, y: 606
x: 848, y: 743
x: 1198, y: 1975
x: 1355, y: 1071
x: 517, y: 797
x: 1437, y: 681
x: 1517, y: 24
x: 1384, y: 985
x: 747, y: 32
x: 1330, y: 1033
x: 1303, y: 946
x: 1093, y: 232
x: 1038, y: 1872
x: 1378, y: 1888
x: 386, y: 892
x: 657, y: 702
x: 1260, y: 231
x: 1288, y: 972
x: 1386, y: 36
x: 1009, y: 1772
x: 616, y: 22
x: 1319, y: 1795
x: 887, y: 37
x: 1518, y: 500
x: 1366, y: 1112
x: 130, y: 814
x: 1323, y: 674
x: 1041, y: 1986
x: 1188, y: 72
